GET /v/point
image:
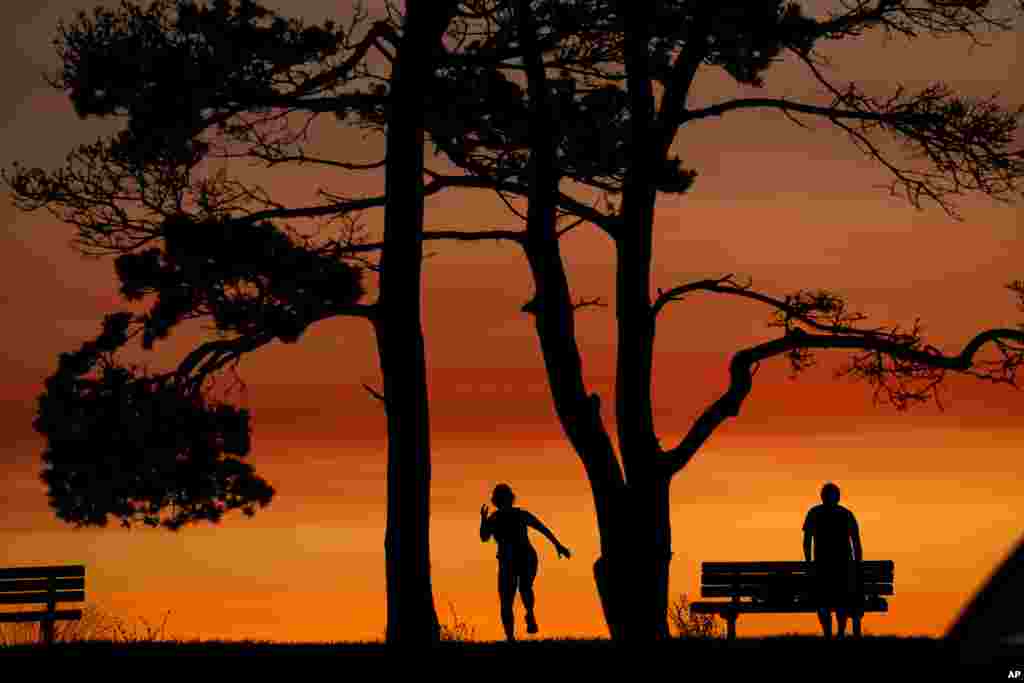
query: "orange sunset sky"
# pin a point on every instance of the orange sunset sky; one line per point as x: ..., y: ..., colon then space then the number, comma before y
x: 937, y: 492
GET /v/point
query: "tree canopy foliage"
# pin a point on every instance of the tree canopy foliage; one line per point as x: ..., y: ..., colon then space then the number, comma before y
x: 121, y: 441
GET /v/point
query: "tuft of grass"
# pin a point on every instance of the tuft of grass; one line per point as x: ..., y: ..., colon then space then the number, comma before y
x: 95, y: 625
x: 690, y: 625
x: 457, y: 630
x: 150, y: 634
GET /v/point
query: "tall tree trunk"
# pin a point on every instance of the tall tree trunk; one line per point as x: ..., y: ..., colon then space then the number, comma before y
x: 579, y: 413
x: 632, y: 572
x: 411, y: 616
x: 641, y: 550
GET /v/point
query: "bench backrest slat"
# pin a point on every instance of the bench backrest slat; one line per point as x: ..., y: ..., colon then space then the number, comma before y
x: 776, y: 567
x: 29, y: 598
x: 73, y: 570
x: 726, y: 579
x: 21, y: 585
x: 763, y: 579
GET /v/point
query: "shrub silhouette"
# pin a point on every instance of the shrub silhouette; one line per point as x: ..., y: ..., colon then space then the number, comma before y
x: 458, y: 630
x: 690, y: 625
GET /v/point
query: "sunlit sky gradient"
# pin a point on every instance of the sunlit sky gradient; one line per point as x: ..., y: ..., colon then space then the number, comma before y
x: 936, y: 492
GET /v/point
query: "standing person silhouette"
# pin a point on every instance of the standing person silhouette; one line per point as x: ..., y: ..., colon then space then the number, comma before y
x: 517, y: 560
x: 834, y: 531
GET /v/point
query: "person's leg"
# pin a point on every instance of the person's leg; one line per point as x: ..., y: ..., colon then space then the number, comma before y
x: 526, y: 589
x: 825, y: 619
x: 507, y: 594
x: 857, y: 598
x: 841, y: 615
x: 850, y: 595
x: 821, y: 594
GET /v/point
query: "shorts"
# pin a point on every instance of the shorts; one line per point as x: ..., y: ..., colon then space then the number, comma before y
x: 837, y: 585
x: 517, y: 571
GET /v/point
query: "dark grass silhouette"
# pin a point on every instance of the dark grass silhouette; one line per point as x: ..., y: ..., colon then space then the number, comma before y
x: 790, y: 657
x: 690, y: 625
x: 697, y: 646
x: 95, y: 625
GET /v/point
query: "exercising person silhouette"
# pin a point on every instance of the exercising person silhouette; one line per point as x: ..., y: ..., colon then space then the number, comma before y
x: 517, y: 560
x: 834, y: 532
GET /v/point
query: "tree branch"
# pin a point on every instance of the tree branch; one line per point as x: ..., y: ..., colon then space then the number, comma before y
x: 572, y: 206
x: 585, y: 303
x: 376, y: 394
x: 965, y: 141
x: 350, y: 205
x: 908, y: 361
x: 908, y: 18
x: 785, y: 105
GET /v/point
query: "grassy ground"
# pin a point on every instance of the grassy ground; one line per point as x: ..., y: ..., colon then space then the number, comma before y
x: 773, y: 658
x: 100, y: 643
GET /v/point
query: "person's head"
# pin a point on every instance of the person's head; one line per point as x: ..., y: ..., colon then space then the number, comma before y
x: 830, y: 494
x: 502, y: 496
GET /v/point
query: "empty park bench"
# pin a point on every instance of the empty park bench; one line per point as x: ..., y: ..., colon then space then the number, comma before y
x: 780, y: 588
x: 49, y: 585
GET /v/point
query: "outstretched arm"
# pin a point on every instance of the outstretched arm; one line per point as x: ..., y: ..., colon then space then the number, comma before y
x: 539, y: 526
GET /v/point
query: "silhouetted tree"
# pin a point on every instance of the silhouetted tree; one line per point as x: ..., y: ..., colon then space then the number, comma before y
x: 411, y: 613
x: 584, y: 126
x: 121, y: 442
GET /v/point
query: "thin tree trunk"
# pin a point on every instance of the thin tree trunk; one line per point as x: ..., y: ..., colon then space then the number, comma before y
x: 578, y: 412
x: 411, y: 616
x: 632, y: 572
x: 644, y: 546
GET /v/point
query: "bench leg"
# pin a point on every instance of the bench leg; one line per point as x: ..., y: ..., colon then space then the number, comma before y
x: 46, y: 631
x: 731, y: 628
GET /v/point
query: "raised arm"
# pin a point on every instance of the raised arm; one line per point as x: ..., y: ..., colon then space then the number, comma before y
x: 539, y: 526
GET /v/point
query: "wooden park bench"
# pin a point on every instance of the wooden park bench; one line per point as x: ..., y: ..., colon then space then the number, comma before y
x: 49, y: 585
x: 779, y: 588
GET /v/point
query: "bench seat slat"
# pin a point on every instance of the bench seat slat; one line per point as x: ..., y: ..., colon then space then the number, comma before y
x: 16, y: 585
x: 27, y: 598
x: 762, y: 608
x: 20, y: 617
x: 42, y: 572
